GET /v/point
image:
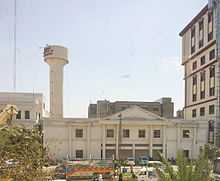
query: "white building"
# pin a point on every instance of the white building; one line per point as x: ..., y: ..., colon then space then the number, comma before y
x: 142, y: 133
x: 30, y: 105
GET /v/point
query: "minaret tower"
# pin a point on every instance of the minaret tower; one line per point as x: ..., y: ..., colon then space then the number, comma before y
x: 56, y: 57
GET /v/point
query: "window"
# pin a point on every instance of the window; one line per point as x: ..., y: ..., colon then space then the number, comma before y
x: 202, y: 111
x: 186, y: 133
x: 202, y: 76
x: 211, y: 132
x: 202, y: 94
x: 126, y: 133
x: 212, y: 91
x: 141, y: 133
x: 212, y: 81
x: 79, y: 154
x: 193, y: 40
x: 211, y: 109
x: 194, y: 80
x: 194, y: 66
x: 79, y: 133
x: 27, y: 114
x: 194, y: 88
x: 210, y: 26
x: 194, y: 113
x: 212, y: 71
x: 18, y: 116
x: 212, y: 54
x: 156, y: 134
x: 186, y: 153
x: 201, y: 33
x: 202, y: 85
x: 110, y: 133
x: 202, y: 60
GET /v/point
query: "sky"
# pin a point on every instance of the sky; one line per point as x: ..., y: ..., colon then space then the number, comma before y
x: 118, y: 49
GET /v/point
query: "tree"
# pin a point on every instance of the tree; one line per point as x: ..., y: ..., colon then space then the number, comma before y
x: 21, y: 154
x: 199, y: 169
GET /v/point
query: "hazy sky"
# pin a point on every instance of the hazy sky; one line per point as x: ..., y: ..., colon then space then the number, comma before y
x: 118, y: 49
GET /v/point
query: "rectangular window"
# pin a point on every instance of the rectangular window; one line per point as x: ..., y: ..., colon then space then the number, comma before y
x: 202, y: 60
x: 201, y: 33
x: 210, y: 26
x: 18, y: 116
x: 194, y: 97
x: 110, y: 133
x: 212, y: 91
x: 212, y: 109
x: 194, y: 65
x: 202, y: 76
x: 212, y: 54
x: 156, y: 133
x: 194, y: 88
x: 193, y: 40
x: 27, y: 114
x: 194, y: 80
x: 202, y: 111
x: 212, y: 71
x: 79, y: 154
x: 186, y: 153
x: 202, y: 85
x: 141, y: 133
x: 186, y: 133
x: 212, y: 81
x: 79, y: 133
x: 126, y: 133
x: 211, y: 132
x: 194, y: 113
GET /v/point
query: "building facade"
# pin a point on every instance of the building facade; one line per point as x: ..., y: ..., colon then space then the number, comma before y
x: 30, y: 106
x: 163, y: 107
x: 199, y: 60
x: 133, y: 132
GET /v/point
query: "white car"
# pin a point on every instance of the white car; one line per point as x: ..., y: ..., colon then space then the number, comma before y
x: 131, y: 161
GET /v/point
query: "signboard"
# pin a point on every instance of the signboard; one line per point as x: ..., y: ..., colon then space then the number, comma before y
x: 48, y: 51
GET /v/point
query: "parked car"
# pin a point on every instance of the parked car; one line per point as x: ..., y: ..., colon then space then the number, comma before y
x: 143, y: 160
x: 130, y: 161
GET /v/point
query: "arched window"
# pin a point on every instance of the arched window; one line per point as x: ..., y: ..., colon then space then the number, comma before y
x: 27, y: 115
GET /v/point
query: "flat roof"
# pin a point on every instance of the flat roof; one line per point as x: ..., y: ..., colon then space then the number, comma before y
x: 194, y: 20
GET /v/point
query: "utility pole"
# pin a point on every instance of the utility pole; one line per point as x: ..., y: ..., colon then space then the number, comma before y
x: 15, y: 45
x: 119, y: 135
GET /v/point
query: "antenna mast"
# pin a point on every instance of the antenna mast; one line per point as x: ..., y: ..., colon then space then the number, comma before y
x: 15, y: 44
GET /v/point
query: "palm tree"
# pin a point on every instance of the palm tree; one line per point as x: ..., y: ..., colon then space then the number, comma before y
x: 197, y: 170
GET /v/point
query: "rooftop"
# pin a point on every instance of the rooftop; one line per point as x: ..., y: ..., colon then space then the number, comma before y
x: 194, y: 20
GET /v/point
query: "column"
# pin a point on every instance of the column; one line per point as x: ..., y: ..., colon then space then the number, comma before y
x: 164, y: 142
x: 89, y: 156
x: 194, y: 146
x: 117, y: 132
x: 178, y: 138
x: 133, y: 150
x: 69, y: 142
x: 150, y: 141
x: 103, y: 142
